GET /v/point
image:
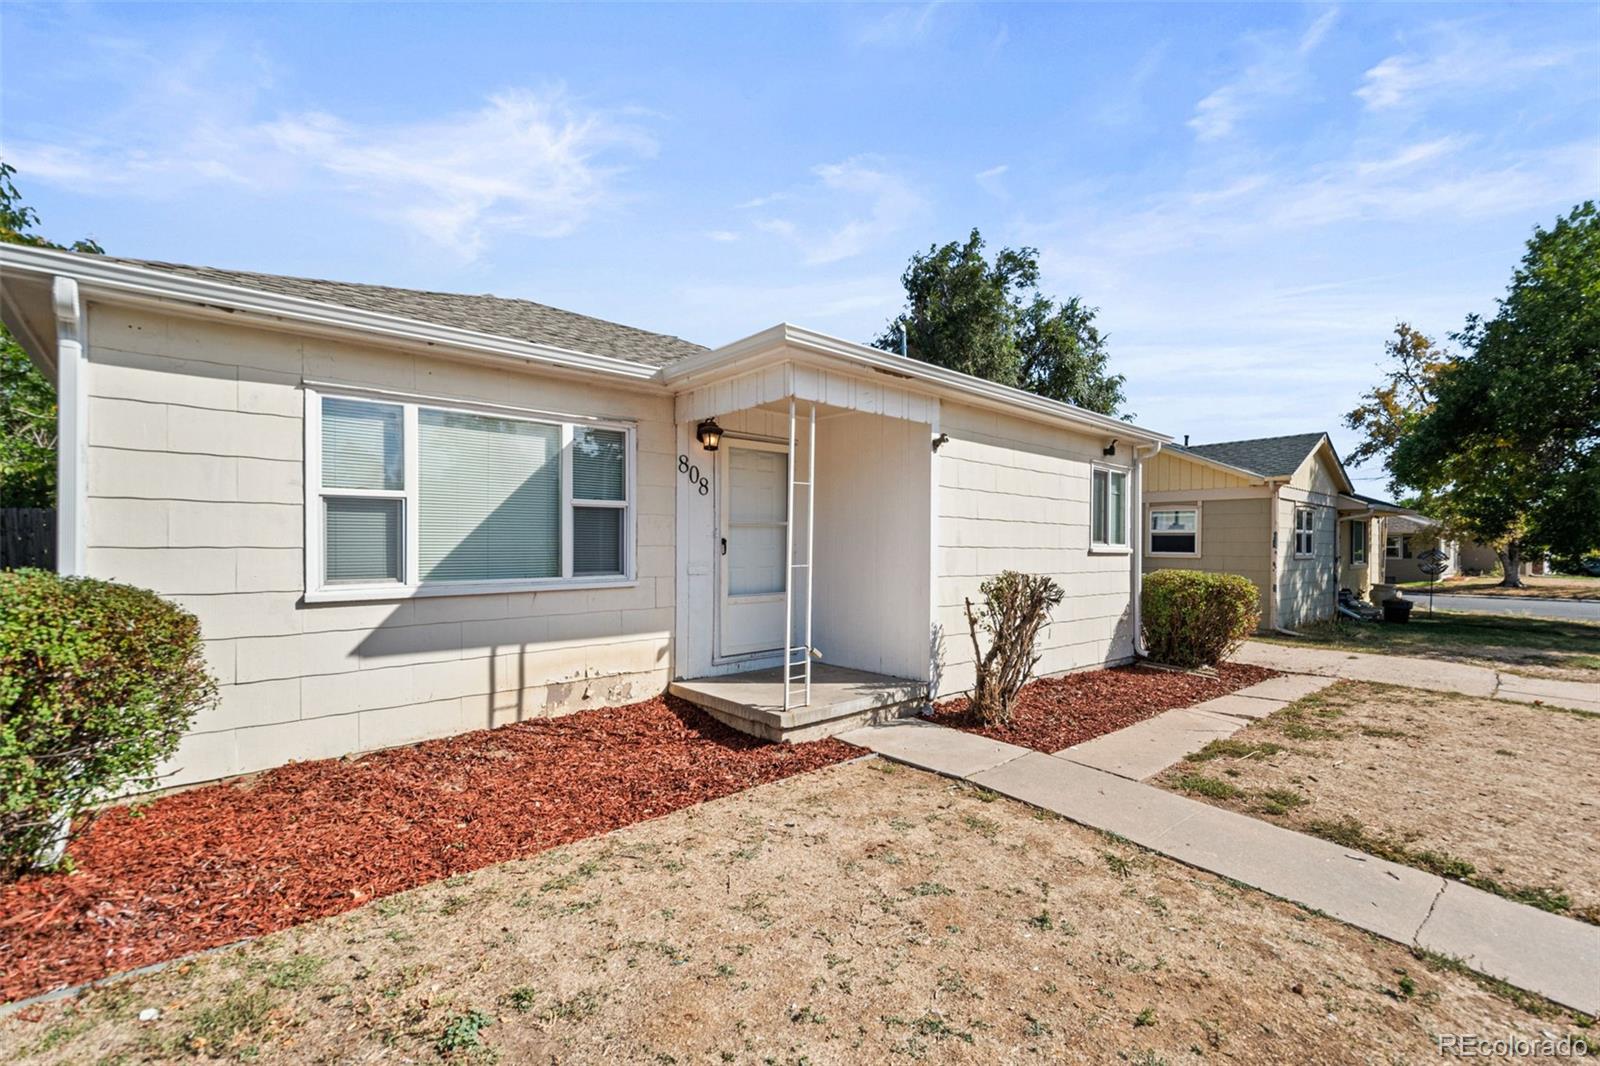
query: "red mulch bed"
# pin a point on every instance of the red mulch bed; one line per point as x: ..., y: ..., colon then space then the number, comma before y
x: 218, y: 864
x: 1057, y: 712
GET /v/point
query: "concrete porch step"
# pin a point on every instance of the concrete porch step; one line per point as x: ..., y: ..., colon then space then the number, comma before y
x: 841, y: 698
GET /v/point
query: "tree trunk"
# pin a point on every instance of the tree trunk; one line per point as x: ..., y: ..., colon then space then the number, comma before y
x: 1511, y: 564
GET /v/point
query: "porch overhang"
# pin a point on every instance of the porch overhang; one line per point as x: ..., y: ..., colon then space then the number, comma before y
x: 845, y: 374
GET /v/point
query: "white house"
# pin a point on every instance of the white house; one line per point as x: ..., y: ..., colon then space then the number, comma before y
x: 403, y: 514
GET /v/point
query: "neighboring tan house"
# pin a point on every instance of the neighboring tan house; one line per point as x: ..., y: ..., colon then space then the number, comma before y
x: 1281, y: 511
x: 404, y: 514
x: 1408, y: 535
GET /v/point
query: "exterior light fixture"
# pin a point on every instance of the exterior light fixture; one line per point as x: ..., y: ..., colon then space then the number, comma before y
x: 1110, y: 449
x: 709, y: 434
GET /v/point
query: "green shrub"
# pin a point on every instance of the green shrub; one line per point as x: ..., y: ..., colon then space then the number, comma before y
x: 1191, y: 618
x: 98, y: 682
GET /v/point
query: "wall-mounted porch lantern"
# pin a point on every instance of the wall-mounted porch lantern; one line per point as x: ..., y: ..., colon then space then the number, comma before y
x: 709, y: 434
x: 1110, y: 449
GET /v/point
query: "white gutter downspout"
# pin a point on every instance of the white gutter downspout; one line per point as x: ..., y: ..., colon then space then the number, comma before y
x: 1139, y: 456
x: 72, y: 433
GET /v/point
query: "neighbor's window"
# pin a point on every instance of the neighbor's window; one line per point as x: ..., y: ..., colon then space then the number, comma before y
x: 1358, y: 543
x: 416, y: 495
x: 1391, y: 546
x: 1175, y: 531
x: 1304, y: 526
x: 1108, y: 521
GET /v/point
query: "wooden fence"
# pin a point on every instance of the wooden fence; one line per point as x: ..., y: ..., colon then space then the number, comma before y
x: 27, y: 537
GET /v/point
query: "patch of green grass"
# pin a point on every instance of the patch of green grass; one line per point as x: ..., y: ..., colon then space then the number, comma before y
x: 1145, y: 1018
x: 1378, y: 732
x: 583, y: 872
x: 70, y: 1026
x: 520, y: 999
x: 574, y: 1008
x: 931, y: 888
x: 987, y: 828
x: 1279, y: 800
x: 463, y: 1032
x: 1232, y: 748
x: 1117, y: 864
x: 1292, y: 722
x: 1042, y: 921
x: 242, y: 1012
x: 1530, y: 1002
x: 1212, y: 787
x: 298, y: 972
x: 1350, y: 833
x: 1458, y: 635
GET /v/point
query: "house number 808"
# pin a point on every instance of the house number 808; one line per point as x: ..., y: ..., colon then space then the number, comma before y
x: 692, y: 472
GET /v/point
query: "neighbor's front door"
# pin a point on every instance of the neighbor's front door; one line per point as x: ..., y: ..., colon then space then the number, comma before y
x: 753, y: 489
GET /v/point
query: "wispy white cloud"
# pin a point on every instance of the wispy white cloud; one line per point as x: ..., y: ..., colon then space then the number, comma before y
x: 849, y: 208
x: 531, y: 163
x: 989, y: 180
x: 535, y: 163
x: 1278, y: 70
x: 1461, y: 61
x: 897, y: 26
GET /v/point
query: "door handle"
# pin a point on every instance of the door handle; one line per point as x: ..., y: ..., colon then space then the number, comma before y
x: 724, y: 545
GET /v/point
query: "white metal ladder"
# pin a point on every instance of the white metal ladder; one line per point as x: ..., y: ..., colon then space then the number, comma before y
x: 799, y: 672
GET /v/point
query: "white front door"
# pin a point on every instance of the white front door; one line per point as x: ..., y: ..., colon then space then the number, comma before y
x: 752, y: 508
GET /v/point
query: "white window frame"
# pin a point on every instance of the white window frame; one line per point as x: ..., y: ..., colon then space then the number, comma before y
x: 1358, y: 527
x: 411, y: 587
x: 1150, y: 532
x: 1391, y: 545
x: 1308, y: 532
x: 1107, y: 547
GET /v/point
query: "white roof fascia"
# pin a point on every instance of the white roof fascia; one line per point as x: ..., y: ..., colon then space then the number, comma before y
x: 784, y: 341
x: 113, y: 281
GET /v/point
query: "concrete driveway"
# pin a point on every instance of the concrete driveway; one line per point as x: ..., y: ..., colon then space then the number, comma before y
x: 1525, y: 606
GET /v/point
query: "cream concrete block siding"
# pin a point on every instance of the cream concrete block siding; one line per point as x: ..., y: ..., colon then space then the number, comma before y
x: 1168, y: 471
x: 196, y: 490
x: 1359, y: 577
x: 1306, y: 584
x: 1014, y: 494
x: 1235, y: 538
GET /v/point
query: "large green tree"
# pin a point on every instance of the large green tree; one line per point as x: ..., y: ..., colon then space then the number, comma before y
x: 1512, y: 439
x: 989, y: 319
x: 27, y: 399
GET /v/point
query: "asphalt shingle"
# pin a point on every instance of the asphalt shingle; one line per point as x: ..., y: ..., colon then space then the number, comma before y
x: 499, y: 316
x: 1267, y: 456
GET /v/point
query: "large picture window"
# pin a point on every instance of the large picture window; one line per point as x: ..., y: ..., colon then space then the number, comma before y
x: 1175, y: 531
x: 426, y: 499
x: 1108, y: 510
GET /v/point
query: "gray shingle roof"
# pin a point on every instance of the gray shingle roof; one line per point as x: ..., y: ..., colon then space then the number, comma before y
x: 1376, y: 502
x: 500, y: 316
x: 1267, y: 456
x: 1409, y: 523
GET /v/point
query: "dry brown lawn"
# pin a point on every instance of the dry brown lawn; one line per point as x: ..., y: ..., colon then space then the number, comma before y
x: 861, y: 913
x: 1502, y: 795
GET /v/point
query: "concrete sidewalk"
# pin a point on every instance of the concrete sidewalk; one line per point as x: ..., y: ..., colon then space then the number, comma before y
x: 1431, y: 674
x: 1558, y: 958
x: 1146, y: 748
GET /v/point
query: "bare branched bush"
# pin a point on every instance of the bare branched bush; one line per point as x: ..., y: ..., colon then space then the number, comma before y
x: 1015, y: 608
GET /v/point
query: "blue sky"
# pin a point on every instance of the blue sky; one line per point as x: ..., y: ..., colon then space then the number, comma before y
x: 1252, y: 195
